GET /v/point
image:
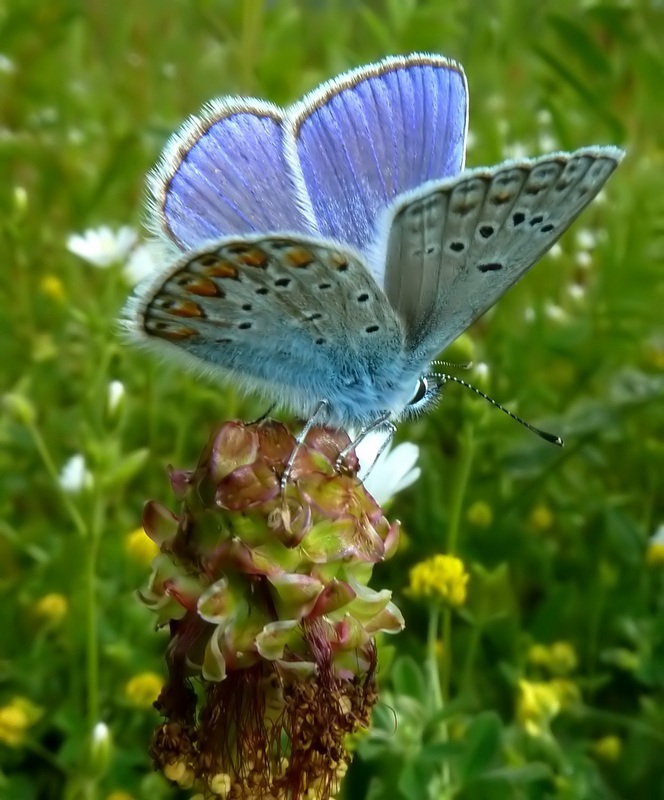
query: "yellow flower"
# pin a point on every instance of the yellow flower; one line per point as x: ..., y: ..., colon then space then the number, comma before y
x: 15, y: 719
x: 562, y: 658
x: 655, y: 554
x: 119, y: 795
x: 559, y: 658
x: 442, y: 577
x: 52, y: 608
x: 567, y: 692
x: 140, y: 548
x: 52, y: 287
x: 541, y: 518
x: 537, y: 705
x: 142, y: 690
x: 480, y: 514
x: 608, y: 748
x: 538, y: 655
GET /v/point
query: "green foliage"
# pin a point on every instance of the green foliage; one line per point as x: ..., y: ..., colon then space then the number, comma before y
x: 88, y: 94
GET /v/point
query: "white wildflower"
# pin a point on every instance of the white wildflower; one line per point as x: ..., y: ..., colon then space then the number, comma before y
x: 585, y: 239
x: 74, y: 476
x: 555, y: 251
x: 391, y: 471
x: 576, y: 291
x: 555, y: 313
x: 102, y: 246
x: 142, y: 262
x: 6, y: 64
x: 544, y: 117
x: 517, y: 151
x: 548, y: 143
x: 583, y: 259
x: 116, y: 392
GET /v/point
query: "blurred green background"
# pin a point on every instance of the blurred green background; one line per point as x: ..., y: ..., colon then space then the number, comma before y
x: 556, y: 661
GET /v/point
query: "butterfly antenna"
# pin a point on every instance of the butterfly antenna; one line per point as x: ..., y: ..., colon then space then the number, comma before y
x: 466, y: 365
x: 548, y: 437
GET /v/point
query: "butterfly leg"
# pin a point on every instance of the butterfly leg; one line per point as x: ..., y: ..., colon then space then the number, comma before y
x: 384, y: 419
x: 315, y: 419
x: 264, y: 416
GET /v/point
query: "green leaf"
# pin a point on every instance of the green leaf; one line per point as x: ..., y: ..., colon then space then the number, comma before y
x: 528, y: 773
x: 595, y: 101
x: 481, y: 745
x: 577, y: 40
x: 407, y: 679
x: 126, y: 469
x: 491, y: 596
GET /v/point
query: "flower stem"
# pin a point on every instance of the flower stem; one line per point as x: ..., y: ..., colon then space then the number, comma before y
x: 432, y: 659
x: 252, y: 22
x: 467, y: 451
x: 469, y: 660
x: 40, y: 445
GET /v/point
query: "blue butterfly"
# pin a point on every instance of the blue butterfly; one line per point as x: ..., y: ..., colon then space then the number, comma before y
x: 324, y: 254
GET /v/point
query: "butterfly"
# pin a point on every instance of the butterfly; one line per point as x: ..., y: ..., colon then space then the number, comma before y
x: 325, y: 253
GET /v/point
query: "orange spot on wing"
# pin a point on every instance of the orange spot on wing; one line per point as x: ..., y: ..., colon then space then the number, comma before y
x: 197, y: 284
x: 300, y: 257
x: 221, y: 268
x: 185, y: 308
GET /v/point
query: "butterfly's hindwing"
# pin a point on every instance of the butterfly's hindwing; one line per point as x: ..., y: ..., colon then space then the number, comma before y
x: 296, y: 315
x: 456, y: 246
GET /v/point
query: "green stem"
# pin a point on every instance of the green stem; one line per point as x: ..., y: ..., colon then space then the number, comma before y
x: 467, y: 451
x: 469, y: 660
x: 252, y: 22
x: 432, y: 658
x: 73, y: 512
x: 447, y: 654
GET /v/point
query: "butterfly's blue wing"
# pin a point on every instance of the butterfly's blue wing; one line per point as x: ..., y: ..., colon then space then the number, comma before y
x: 365, y: 137
x: 224, y: 173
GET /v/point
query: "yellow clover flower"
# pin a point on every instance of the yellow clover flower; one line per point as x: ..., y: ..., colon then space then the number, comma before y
x: 541, y: 518
x: 562, y: 658
x: 15, y: 719
x: 119, y: 795
x: 480, y: 514
x: 559, y: 658
x: 143, y: 689
x: 441, y: 577
x: 537, y: 705
x: 140, y: 548
x: 655, y: 549
x: 51, y: 608
x: 53, y: 287
x: 608, y: 748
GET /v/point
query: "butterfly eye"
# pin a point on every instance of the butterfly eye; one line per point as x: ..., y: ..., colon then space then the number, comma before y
x: 421, y: 391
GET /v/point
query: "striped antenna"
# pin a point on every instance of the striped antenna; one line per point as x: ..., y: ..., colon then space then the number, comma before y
x: 548, y: 437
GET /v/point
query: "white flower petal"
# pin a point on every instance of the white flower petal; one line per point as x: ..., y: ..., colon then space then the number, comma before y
x: 392, y: 471
x: 101, y: 246
x: 116, y: 392
x: 74, y: 475
x: 658, y: 535
x: 143, y: 261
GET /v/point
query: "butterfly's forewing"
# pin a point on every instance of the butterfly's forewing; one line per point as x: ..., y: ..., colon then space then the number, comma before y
x: 297, y: 318
x: 224, y: 173
x: 366, y: 136
x: 454, y: 247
